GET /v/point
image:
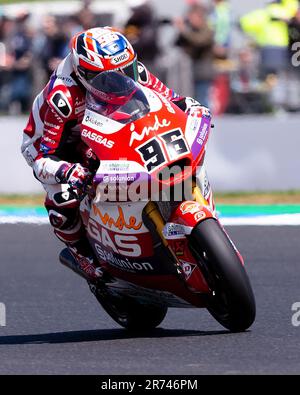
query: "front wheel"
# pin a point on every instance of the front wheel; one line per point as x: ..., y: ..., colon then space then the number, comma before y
x: 231, y: 301
x: 130, y: 314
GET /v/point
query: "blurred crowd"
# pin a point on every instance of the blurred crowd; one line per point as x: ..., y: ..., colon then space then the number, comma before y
x: 249, y: 65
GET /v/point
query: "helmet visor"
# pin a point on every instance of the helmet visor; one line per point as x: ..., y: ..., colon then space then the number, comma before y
x: 112, y: 87
x: 87, y: 75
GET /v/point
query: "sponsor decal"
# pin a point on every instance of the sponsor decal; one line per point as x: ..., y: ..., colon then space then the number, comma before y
x: 119, y: 178
x: 115, y: 167
x: 121, y: 223
x: 172, y: 230
x: 64, y: 198
x: 48, y: 140
x: 203, y: 134
x: 88, y: 120
x: 158, y: 124
x: 143, y: 74
x: 57, y: 117
x: 190, y: 207
x: 93, y: 136
x: 53, y: 133
x: 128, y: 245
x: 61, y: 104
x: 121, y: 262
x: 122, y: 58
x: 51, y: 125
x: 199, y: 216
x: 120, y: 244
x: 67, y: 80
x: 206, y: 188
x: 45, y: 149
x: 187, y: 268
x: 28, y: 157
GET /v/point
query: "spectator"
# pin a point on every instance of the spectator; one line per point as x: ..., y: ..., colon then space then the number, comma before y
x: 142, y: 31
x: 268, y: 28
x: 20, y: 48
x: 197, y: 40
x: 294, y: 73
x: 221, y: 21
x: 294, y: 31
x: 85, y: 17
x: 53, y: 45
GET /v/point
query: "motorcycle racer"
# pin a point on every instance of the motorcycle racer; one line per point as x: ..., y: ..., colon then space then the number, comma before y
x: 51, y: 141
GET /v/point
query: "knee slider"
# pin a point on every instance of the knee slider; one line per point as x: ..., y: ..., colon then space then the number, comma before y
x: 66, y: 221
x: 57, y: 220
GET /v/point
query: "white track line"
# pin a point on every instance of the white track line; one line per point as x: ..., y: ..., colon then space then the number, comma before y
x: 24, y: 220
x: 270, y: 220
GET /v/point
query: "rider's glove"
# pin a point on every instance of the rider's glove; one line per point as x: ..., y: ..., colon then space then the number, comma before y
x: 193, y: 108
x: 75, y: 175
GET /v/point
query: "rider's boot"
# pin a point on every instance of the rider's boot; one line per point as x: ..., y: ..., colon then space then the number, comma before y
x: 84, y: 261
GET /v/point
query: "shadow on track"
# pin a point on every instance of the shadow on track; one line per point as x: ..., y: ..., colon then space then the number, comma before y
x: 100, y: 335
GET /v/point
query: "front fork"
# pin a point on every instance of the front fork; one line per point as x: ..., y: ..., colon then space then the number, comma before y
x: 201, y: 193
x: 179, y: 248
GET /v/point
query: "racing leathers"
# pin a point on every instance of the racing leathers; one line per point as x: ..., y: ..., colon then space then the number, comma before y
x: 60, y: 160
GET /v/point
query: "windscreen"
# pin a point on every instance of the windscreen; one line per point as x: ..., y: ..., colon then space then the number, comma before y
x: 118, y: 97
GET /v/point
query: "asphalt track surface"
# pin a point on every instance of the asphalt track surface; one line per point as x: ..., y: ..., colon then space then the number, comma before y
x: 55, y: 326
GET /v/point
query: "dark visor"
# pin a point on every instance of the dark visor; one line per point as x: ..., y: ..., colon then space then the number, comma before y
x: 129, y: 70
x: 87, y: 74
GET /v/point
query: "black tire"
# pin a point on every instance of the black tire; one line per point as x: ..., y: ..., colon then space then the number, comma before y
x: 130, y: 314
x: 232, y: 301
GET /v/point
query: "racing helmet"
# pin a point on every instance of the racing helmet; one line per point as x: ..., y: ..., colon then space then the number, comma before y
x: 102, y: 49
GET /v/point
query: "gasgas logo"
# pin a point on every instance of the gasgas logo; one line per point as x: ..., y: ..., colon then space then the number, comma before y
x: 93, y: 136
x: 121, y: 244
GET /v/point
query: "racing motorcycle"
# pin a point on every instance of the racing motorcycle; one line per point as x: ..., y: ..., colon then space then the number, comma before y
x: 151, y: 226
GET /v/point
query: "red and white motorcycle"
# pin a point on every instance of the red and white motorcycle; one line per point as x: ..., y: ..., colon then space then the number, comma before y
x: 153, y: 232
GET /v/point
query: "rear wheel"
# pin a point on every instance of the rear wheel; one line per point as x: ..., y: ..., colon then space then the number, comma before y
x: 231, y: 301
x: 130, y: 314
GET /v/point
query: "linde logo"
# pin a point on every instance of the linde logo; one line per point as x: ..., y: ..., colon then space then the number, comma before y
x: 120, y: 59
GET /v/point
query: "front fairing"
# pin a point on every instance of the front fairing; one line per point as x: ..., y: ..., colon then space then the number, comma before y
x: 143, y: 136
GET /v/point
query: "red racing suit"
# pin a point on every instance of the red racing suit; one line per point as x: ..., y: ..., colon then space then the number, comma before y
x: 52, y: 137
